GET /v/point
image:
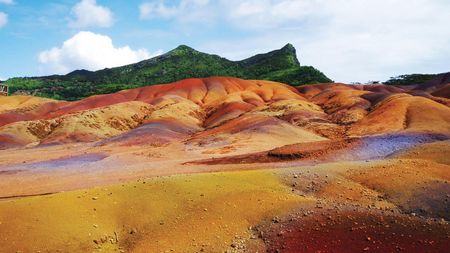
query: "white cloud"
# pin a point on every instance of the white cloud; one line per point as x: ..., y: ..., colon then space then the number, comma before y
x: 350, y: 40
x: 265, y: 14
x: 88, y: 13
x: 3, y: 19
x: 87, y: 50
x: 6, y: 2
x: 184, y: 11
x: 157, y: 10
x: 256, y: 13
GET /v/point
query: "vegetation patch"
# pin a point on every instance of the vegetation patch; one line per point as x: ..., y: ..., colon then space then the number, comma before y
x: 181, y: 63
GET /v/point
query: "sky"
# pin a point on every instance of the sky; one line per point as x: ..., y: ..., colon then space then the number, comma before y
x: 348, y: 40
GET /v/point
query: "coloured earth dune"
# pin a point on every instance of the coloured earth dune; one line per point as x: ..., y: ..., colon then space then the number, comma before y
x: 222, y: 164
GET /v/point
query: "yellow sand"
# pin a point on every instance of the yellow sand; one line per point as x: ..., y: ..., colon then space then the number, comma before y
x: 404, y: 112
x: 20, y: 103
x: 183, y: 213
x: 98, y: 123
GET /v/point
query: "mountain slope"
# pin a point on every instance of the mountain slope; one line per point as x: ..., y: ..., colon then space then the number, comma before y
x: 183, y: 62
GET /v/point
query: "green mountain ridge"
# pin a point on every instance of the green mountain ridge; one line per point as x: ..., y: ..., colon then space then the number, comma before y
x: 180, y: 63
x: 410, y: 79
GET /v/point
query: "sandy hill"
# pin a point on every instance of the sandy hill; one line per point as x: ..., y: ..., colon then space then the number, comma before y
x: 223, y: 110
x: 227, y: 165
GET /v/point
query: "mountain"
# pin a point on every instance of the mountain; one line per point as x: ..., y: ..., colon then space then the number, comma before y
x: 182, y: 62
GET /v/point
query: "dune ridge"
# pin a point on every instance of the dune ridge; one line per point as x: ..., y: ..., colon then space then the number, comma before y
x: 326, y: 110
x: 223, y: 164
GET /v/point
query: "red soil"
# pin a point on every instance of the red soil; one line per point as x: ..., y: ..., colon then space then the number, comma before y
x: 181, y: 127
x: 154, y: 132
x: 225, y: 105
x: 200, y: 91
x: 332, y: 230
x: 320, y: 151
x: 227, y: 111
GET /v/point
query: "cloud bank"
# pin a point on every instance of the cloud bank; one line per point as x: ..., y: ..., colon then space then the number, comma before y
x: 350, y: 40
x: 91, y: 51
x: 150, y: 10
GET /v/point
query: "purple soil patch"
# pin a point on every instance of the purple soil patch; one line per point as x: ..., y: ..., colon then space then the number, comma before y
x: 351, y: 149
x: 157, y: 133
x: 7, y: 142
x: 68, y: 161
x: 378, y: 147
x: 432, y: 200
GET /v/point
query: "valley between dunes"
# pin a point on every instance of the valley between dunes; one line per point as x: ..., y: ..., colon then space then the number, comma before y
x: 223, y: 164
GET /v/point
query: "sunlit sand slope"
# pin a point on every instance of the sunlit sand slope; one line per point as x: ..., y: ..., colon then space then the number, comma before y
x: 205, y: 212
x: 222, y: 164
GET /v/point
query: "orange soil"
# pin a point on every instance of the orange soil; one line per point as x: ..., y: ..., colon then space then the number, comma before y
x: 227, y: 124
x: 327, y: 110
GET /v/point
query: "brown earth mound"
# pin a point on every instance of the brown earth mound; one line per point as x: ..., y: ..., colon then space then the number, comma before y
x: 354, y: 231
x: 225, y: 106
x: 442, y: 92
x: 348, y: 168
x: 437, y: 83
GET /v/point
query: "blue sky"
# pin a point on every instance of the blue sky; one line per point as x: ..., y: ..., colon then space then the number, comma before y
x: 349, y: 40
